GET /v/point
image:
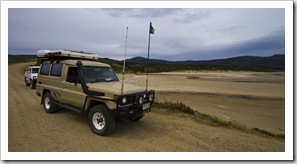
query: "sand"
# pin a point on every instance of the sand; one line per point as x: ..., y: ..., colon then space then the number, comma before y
x: 258, y: 102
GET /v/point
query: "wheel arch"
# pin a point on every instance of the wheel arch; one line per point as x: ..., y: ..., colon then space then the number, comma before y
x: 91, y: 102
x: 94, y: 102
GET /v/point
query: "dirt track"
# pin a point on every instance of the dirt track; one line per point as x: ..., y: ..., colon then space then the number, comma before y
x: 31, y: 129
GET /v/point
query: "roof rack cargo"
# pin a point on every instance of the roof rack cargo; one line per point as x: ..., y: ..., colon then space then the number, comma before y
x: 66, y: 54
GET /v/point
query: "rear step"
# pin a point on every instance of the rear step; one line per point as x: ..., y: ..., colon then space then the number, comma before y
x: 78, y: 110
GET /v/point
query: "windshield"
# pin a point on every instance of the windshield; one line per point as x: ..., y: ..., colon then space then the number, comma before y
x: 92, y: 74
x: 35, y: 70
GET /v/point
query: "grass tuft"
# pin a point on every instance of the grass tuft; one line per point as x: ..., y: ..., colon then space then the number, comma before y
x: 267, y: 133
x: 211, y: 120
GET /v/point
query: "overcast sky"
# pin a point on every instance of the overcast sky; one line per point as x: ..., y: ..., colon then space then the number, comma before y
x: 180, y: 33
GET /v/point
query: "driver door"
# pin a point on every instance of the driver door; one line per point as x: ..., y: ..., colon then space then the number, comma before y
x: 73, y: 93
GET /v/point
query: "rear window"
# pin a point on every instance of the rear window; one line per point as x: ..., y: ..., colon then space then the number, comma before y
x: 45, y: 69
x: 56, y: 69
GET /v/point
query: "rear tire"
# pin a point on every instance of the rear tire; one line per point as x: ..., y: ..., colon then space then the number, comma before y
x: 32, y: 84
x: 101, y: 121
x: 48, y: 103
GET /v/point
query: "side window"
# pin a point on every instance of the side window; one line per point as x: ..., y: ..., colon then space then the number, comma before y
x: 72, y: 75
x: 45, y: 69
x: 56, y: 69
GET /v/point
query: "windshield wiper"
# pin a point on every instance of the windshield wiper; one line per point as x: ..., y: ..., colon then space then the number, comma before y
x: 103, y: 80
x: 98, y: 80
x: 109, y: 80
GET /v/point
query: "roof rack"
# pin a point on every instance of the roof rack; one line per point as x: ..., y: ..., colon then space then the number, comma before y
x: 67, y: 54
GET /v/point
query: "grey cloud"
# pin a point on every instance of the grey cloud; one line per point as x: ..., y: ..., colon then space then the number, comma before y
x: 192, y: 15
x: 140, y: 12
x: 262, y: 46
x: 53, y: 29
x: 181, y: 34
x: 177, y: 15
x: 267, y: 45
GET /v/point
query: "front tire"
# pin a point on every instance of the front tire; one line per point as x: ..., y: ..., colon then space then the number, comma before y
x: 27, y: 84
x: 101, y: 121
x: 48, y: 103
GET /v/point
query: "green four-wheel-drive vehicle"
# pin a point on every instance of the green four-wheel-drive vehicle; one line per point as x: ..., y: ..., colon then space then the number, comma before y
x: 78, y: 82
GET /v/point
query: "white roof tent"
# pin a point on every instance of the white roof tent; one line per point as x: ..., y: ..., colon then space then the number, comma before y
x: 66, y: 54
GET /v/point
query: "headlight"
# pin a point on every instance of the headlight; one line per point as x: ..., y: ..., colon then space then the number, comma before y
x: 34, y: 77
x: 144, y: 96
x: 124, y: 100
x: 151, y: 97
x: 140, y: 100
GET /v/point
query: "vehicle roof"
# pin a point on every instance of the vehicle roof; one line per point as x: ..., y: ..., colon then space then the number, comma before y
x: 34, y: 66
x: 84, y: 62
x: 66, y: 53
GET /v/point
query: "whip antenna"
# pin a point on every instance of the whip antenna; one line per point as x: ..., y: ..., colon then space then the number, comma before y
x: 124, y: 65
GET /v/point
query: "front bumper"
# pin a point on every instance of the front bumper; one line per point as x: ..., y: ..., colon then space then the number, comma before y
x: 133, y: 107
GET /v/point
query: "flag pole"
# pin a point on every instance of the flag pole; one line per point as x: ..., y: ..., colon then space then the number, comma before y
x: 147, y: 61
x: 124, y: 65
x: 151, y: 31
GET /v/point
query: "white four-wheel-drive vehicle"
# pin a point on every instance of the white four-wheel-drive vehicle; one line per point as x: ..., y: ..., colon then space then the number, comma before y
x: 31, y: 75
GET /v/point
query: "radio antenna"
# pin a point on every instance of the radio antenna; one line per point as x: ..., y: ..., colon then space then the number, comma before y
x: 124, y: 65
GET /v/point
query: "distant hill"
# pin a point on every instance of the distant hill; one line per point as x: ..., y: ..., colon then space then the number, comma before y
x: 26, y: 56
x: 20, y: 58
x: 138, y: 64
x: 275, y: 62
x: 144, y: 60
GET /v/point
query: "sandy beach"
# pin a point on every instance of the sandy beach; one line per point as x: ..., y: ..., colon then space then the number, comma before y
x: 255, y: 99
